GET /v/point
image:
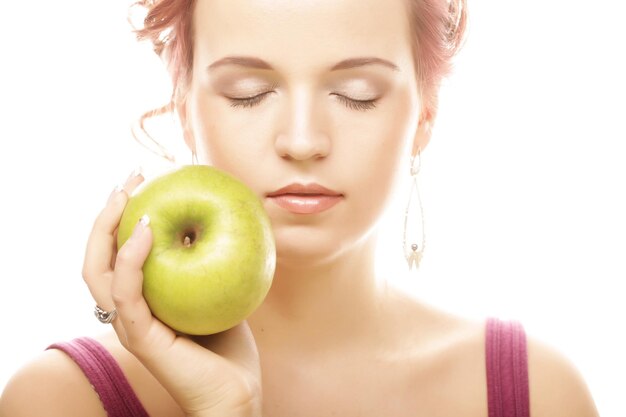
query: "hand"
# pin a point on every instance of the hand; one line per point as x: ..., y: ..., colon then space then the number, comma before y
x: 210, y: 375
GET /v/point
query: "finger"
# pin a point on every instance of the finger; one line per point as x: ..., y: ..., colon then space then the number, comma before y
x: 131, y: 184
x: 100, y: 251
x: 126, y: 287
x: 101, y: 245
x: 101, y: 242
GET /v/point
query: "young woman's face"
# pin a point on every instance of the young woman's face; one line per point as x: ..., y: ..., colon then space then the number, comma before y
x: 313, y: 91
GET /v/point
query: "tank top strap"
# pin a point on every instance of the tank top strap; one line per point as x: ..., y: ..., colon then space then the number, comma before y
x: 507, y: 369
x: 105, y: 376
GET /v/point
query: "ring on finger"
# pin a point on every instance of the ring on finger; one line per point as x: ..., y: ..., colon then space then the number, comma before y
x: 104, y: 316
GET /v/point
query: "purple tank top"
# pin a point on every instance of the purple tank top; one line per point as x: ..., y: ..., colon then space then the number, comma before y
x: 105, y: 375
x: 505, y: 348
x: 507, y: 369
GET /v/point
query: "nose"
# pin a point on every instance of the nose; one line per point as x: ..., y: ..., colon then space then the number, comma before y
x: 303, y: 138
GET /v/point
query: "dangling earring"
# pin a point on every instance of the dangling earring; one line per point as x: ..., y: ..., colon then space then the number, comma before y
x: 414, y: 240
x: 194, y: 158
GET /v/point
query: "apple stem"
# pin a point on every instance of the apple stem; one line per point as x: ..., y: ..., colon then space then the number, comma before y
x: 187, y: 242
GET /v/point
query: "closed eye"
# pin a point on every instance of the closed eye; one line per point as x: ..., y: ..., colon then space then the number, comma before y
x: 348, y: 102
x: 357, y: 104
x: 248, y: 101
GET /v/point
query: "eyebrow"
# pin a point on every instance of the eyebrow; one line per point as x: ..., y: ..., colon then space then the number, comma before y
x: 253, y: 62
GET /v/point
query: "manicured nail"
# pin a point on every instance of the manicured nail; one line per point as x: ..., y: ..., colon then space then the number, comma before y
x: 145, y: 220
x: 141, y: 225
x: 116, y: 190
x: 136, y: 172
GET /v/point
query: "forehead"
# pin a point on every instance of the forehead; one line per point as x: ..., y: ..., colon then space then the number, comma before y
x: 301, y: 33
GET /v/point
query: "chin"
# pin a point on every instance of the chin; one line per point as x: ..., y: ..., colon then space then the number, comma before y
x: 300, y: 251
x: 306, y: 252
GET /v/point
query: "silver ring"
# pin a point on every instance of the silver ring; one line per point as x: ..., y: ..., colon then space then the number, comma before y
x: 103, y: 316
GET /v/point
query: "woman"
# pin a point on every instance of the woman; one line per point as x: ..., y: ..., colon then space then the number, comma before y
x: 338, y: 94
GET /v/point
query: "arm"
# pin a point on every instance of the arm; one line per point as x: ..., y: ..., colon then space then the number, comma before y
x: 557, y: 389
x: 51, y: 386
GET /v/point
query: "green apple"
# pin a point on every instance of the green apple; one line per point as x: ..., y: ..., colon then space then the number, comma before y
x: 213, y: 253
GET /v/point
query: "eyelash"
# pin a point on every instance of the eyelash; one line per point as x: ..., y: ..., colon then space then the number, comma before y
x: 357, y: 104
x: 360, y: 105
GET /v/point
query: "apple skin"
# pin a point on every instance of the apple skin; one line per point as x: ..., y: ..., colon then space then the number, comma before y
x: 218, y: 276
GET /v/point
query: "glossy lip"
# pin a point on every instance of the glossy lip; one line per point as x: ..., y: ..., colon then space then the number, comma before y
x: 297, y: 188
x: 305, y: 199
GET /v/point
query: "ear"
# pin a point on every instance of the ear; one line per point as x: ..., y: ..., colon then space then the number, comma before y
x: 181, y: 110
x: 424, y: 131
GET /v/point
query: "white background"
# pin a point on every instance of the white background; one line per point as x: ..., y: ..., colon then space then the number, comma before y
x: 524, y: 182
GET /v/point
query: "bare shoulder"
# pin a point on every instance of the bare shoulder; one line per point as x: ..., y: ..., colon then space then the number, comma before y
x: 54, y: 385
x: 50, y: 385
x: 447, y: 355
x: 556, y: 387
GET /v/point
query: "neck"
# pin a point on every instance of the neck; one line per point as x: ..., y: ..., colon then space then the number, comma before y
x: 312, y: 305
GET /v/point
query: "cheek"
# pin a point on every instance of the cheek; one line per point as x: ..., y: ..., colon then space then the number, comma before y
x: 220, y: 138
x: 378, y: 183
x: 375, y: 165
x: 385, y: 154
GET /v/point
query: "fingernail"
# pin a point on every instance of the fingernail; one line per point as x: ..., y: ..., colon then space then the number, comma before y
x: 141, y: 225
x: 136, y: 172
x: 145, y: 220
x: 116, y: 190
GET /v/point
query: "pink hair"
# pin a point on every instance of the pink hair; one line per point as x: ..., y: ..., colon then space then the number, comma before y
x: 438, y: 28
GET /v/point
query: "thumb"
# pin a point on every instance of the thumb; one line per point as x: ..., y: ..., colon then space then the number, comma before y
x: 127, y: 283
x: 135, y: 250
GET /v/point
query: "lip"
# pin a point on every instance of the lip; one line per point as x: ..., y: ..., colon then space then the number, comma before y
x: 305, y: 199
x: 297, y: 188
